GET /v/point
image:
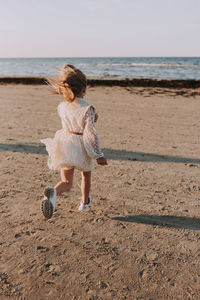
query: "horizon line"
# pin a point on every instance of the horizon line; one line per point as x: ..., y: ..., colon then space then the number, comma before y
x: 14, y: 57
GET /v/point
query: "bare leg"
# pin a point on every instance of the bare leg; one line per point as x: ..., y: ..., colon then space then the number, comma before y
x: 66, y: 181
x: 85, y: 186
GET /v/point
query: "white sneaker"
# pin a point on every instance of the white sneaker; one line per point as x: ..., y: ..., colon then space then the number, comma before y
x: 85, y: 207
x: 49, y: 202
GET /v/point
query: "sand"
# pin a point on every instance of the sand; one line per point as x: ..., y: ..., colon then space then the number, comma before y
x: 141, y: 238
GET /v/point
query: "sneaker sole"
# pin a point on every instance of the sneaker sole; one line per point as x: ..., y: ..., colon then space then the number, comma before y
x: 47, y: 207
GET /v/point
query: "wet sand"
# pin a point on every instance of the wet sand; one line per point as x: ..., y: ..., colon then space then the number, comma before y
x: 141, y: 238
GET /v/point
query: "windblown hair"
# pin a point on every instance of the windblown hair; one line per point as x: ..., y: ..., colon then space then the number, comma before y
x: 70, y: 83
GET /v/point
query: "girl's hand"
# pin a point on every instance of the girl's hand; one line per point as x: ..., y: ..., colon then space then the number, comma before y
x: 96, y: 117
x: 102, y: 161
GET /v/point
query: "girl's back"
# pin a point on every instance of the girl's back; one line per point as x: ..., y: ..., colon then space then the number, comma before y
x: 73, y: 114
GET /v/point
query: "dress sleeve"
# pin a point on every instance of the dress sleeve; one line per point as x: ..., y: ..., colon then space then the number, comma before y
x: 90, y: 137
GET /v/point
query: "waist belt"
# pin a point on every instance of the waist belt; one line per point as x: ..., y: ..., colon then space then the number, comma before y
x: 73, y: 132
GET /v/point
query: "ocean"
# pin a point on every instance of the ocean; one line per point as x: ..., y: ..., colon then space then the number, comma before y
x: 123, y: 67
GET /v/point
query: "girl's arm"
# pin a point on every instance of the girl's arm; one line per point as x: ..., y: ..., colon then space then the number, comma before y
x: 90, y: 137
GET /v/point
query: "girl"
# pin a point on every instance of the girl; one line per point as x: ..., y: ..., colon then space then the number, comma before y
x: 76, y: 145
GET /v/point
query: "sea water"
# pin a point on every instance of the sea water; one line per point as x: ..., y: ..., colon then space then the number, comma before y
x: 124, y: 67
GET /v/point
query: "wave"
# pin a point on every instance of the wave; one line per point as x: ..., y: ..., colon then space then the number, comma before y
x: 148, y: 65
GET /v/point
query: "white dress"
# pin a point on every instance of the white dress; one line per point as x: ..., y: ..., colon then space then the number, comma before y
x: 67, y: 150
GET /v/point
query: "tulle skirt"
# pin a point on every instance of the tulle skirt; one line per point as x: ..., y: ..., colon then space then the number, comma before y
x: 67, y: 151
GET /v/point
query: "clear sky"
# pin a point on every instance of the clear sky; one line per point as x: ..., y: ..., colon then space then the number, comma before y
x: 84, y: 28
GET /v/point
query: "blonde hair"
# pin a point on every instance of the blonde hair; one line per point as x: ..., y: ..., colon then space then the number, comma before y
x: 70, y: 83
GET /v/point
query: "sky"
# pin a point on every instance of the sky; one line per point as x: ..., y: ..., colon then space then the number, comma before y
x: 99, y: 28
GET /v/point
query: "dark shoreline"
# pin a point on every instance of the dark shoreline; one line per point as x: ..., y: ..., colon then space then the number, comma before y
x: 124, y: 82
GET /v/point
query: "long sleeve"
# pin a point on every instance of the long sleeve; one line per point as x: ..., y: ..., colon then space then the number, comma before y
x: 90, y: 137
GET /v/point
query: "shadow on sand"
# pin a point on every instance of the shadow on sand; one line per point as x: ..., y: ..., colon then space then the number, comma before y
x: 165, y: 221
x: 33, y: 148
x: 38, y: 148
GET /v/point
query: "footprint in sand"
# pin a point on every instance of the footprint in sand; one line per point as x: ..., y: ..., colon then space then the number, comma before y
x: 18, y: 235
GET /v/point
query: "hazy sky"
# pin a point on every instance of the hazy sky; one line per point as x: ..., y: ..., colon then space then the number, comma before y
x: 70, y: 28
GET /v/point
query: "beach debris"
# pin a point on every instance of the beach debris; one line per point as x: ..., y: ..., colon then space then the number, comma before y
x: 102, y: 285
x: 46, y: 249
x: 50, y: 282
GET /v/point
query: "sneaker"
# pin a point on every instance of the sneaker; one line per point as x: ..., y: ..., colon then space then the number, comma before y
x: 49, y: 202
x: 85, y: 207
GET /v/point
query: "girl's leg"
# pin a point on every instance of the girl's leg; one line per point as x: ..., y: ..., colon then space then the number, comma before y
x: 85, y: 186
x: 66, y: 181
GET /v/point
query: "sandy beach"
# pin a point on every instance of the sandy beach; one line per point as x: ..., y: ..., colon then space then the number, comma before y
x: 141, y: 238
